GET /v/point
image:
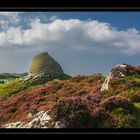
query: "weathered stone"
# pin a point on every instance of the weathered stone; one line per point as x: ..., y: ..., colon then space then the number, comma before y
x: 119, y: 71
x: 43, y: 63
x: 41, y: 119
x: 13, y: 125
x: 43, y: 69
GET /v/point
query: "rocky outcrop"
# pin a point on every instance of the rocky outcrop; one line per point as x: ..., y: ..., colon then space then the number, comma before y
x: 123, y: 70
x: 44, y: 63
x: 41, y: 119
x: 119, y: 71
x: 43, y: 69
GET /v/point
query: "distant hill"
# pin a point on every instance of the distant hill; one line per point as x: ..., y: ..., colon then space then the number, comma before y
x: 12, y: 75
x: 6, y: 77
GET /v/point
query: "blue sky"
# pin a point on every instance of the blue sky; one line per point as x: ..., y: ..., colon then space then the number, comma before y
x: 82, y: 42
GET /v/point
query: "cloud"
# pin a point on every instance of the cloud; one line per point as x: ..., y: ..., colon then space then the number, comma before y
x: 53, y: 18
x: 9, y: 18
x: 72, y: 34
x: 13, y: 16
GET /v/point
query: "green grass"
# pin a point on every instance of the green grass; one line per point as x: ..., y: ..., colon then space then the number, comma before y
x: 133, y: 77
x: 137, y: 115
x: 14, y: 86
x: 9, y: 89
x: 103, y: 78
x: 133, y: 95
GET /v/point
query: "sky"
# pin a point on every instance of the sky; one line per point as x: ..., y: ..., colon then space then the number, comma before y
x: 82, y: 42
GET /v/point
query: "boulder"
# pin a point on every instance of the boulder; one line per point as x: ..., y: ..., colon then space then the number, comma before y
x: 44, y: 63
x: 119, y: 71
x: 43, y: 69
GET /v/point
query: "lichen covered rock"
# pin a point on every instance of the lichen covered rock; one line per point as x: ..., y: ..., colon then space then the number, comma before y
x: 44, y: 63
x: 43, y: 68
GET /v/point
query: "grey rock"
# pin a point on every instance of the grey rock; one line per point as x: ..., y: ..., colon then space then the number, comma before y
x: 41, y: 119
x: 43, y: 69
x: 119, y: 71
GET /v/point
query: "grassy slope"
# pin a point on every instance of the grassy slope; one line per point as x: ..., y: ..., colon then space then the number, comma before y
x: 45, y: 96
x: 11, y: 88
x: 79, y: 86
x: 16, y: 85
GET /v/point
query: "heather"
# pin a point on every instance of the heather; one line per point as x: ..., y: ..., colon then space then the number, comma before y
x: 46, y: 97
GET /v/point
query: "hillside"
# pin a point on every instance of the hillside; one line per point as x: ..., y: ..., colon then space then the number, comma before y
x: 75, y: 100
x: 91, y: 101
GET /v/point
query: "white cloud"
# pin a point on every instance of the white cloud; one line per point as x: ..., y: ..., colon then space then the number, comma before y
x: 71, y: 34
x: 4, y: 24
x: 13, y: 16
x: 8, y: 18
x: 53, y: 18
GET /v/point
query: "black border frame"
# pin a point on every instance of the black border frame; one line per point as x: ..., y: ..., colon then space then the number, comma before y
x: 72, y: 131
x: 62, y: 6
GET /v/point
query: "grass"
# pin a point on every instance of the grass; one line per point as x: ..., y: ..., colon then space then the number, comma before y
x: 103, y: 78
x: 123, y: 119
x: 133, y: 77
x: 9, y: 89
x: 14, y: 86
x: 132, y: 94
x: 137, y: 115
